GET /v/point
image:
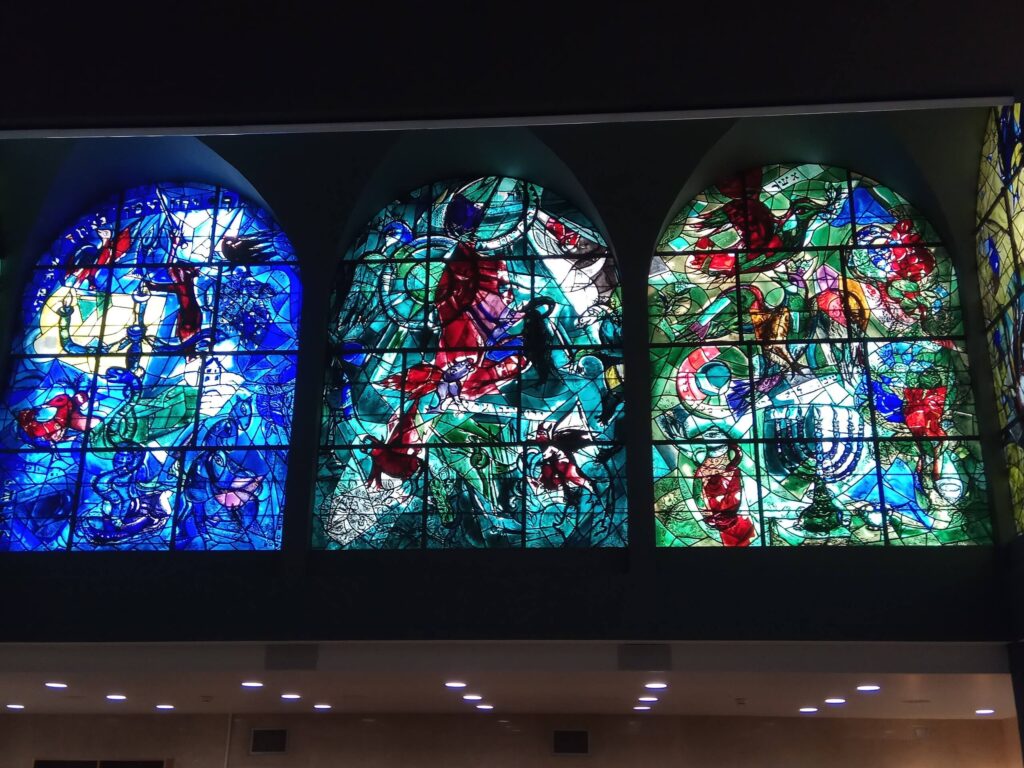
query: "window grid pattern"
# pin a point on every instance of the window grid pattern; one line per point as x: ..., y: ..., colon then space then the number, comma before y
x: 150, y: 400
x: 810, y: 381
x: 473, y: 390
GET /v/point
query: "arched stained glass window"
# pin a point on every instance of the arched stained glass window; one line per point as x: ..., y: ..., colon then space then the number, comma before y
x: 474, y: 383
x: 152, y: 384
x: 1000, y: 238
x: 810, y: 378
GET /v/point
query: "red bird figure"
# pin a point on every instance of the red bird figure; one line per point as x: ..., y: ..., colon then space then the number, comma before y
x: 559, y: 443
x: 87, y: 260
x: 758, y: 228
x: 398, y: 456
x: 68, y: 416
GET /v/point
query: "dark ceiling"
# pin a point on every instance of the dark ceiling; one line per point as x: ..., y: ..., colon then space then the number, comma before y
x: 236, y: 63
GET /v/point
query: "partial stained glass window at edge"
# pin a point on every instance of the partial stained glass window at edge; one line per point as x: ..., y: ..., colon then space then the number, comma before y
x: 810, y: 377
x: 150, y: 401
x: 1000, y: 243
x: 473, y: 394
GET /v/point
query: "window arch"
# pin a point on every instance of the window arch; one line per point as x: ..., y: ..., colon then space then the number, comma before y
x: 1000, y: 240
x: 810, y: 382
x: 473, y: 391
x: 152, y: 384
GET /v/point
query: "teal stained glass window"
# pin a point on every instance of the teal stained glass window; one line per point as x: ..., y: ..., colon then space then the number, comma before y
x: 473, y: 393
x: 810, y: 378
x: 150, y: 399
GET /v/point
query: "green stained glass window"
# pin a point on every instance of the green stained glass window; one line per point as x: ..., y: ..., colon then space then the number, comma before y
x: 810, y: 383
x: 473, y: 394
x: 1000, y: 240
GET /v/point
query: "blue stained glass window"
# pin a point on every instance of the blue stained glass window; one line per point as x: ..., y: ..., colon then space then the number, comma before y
x: 473, y: 393
x: 150, y: 398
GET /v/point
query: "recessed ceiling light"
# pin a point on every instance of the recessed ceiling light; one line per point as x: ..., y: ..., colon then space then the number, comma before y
x: 647, y: 698
x: 484, y: 706
x: 15, y: 706
x: 321, y: 706
x: 165, y: 706
x: 116, y: 697
x: 455, y: 684
x: 869, y: 688
x: 655, y: 686
x: 252, y: 684
x: 808, y: 710
x: 290, y: 696
x: 835, y: 700
x: 641, y: 707
x: 56, y: 685
x: 984, y: 711
x: 473, y: 697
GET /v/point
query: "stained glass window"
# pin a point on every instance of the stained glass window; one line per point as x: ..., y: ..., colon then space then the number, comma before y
x: 1000, y: 239
x: 150, y: 399
x: 809, y: 372
x: 473, y: 390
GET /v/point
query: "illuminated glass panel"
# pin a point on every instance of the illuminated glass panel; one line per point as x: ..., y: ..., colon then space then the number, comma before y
x: 474, y: 386
x: 150, y: 400
x: 1000, y: 238
x: 810, y: 385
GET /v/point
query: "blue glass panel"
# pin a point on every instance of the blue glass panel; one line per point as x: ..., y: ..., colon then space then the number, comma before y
x: 155, y: 368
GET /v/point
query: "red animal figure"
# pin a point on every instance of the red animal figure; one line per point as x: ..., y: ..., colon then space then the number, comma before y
x: 558, y: 468
x: 68, y: 416
x: 760, y: 231
x: 473, y: 302
x: 476, y: 355
x: 398, y: 456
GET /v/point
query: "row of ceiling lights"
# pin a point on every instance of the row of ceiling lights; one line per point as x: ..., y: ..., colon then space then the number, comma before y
x: 286, y: 696
x: 472, y: 698
x: 644, y: 705
x: 251, y: 684
x: 838, y: 701
x: 646, y: 701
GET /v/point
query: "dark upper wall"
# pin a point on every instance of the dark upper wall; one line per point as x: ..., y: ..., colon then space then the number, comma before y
x: 322, y: 186
x: 238, y: 64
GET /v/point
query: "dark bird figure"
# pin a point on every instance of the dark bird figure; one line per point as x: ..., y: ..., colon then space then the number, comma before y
x: 537, y: 337
x: 246, y: 250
